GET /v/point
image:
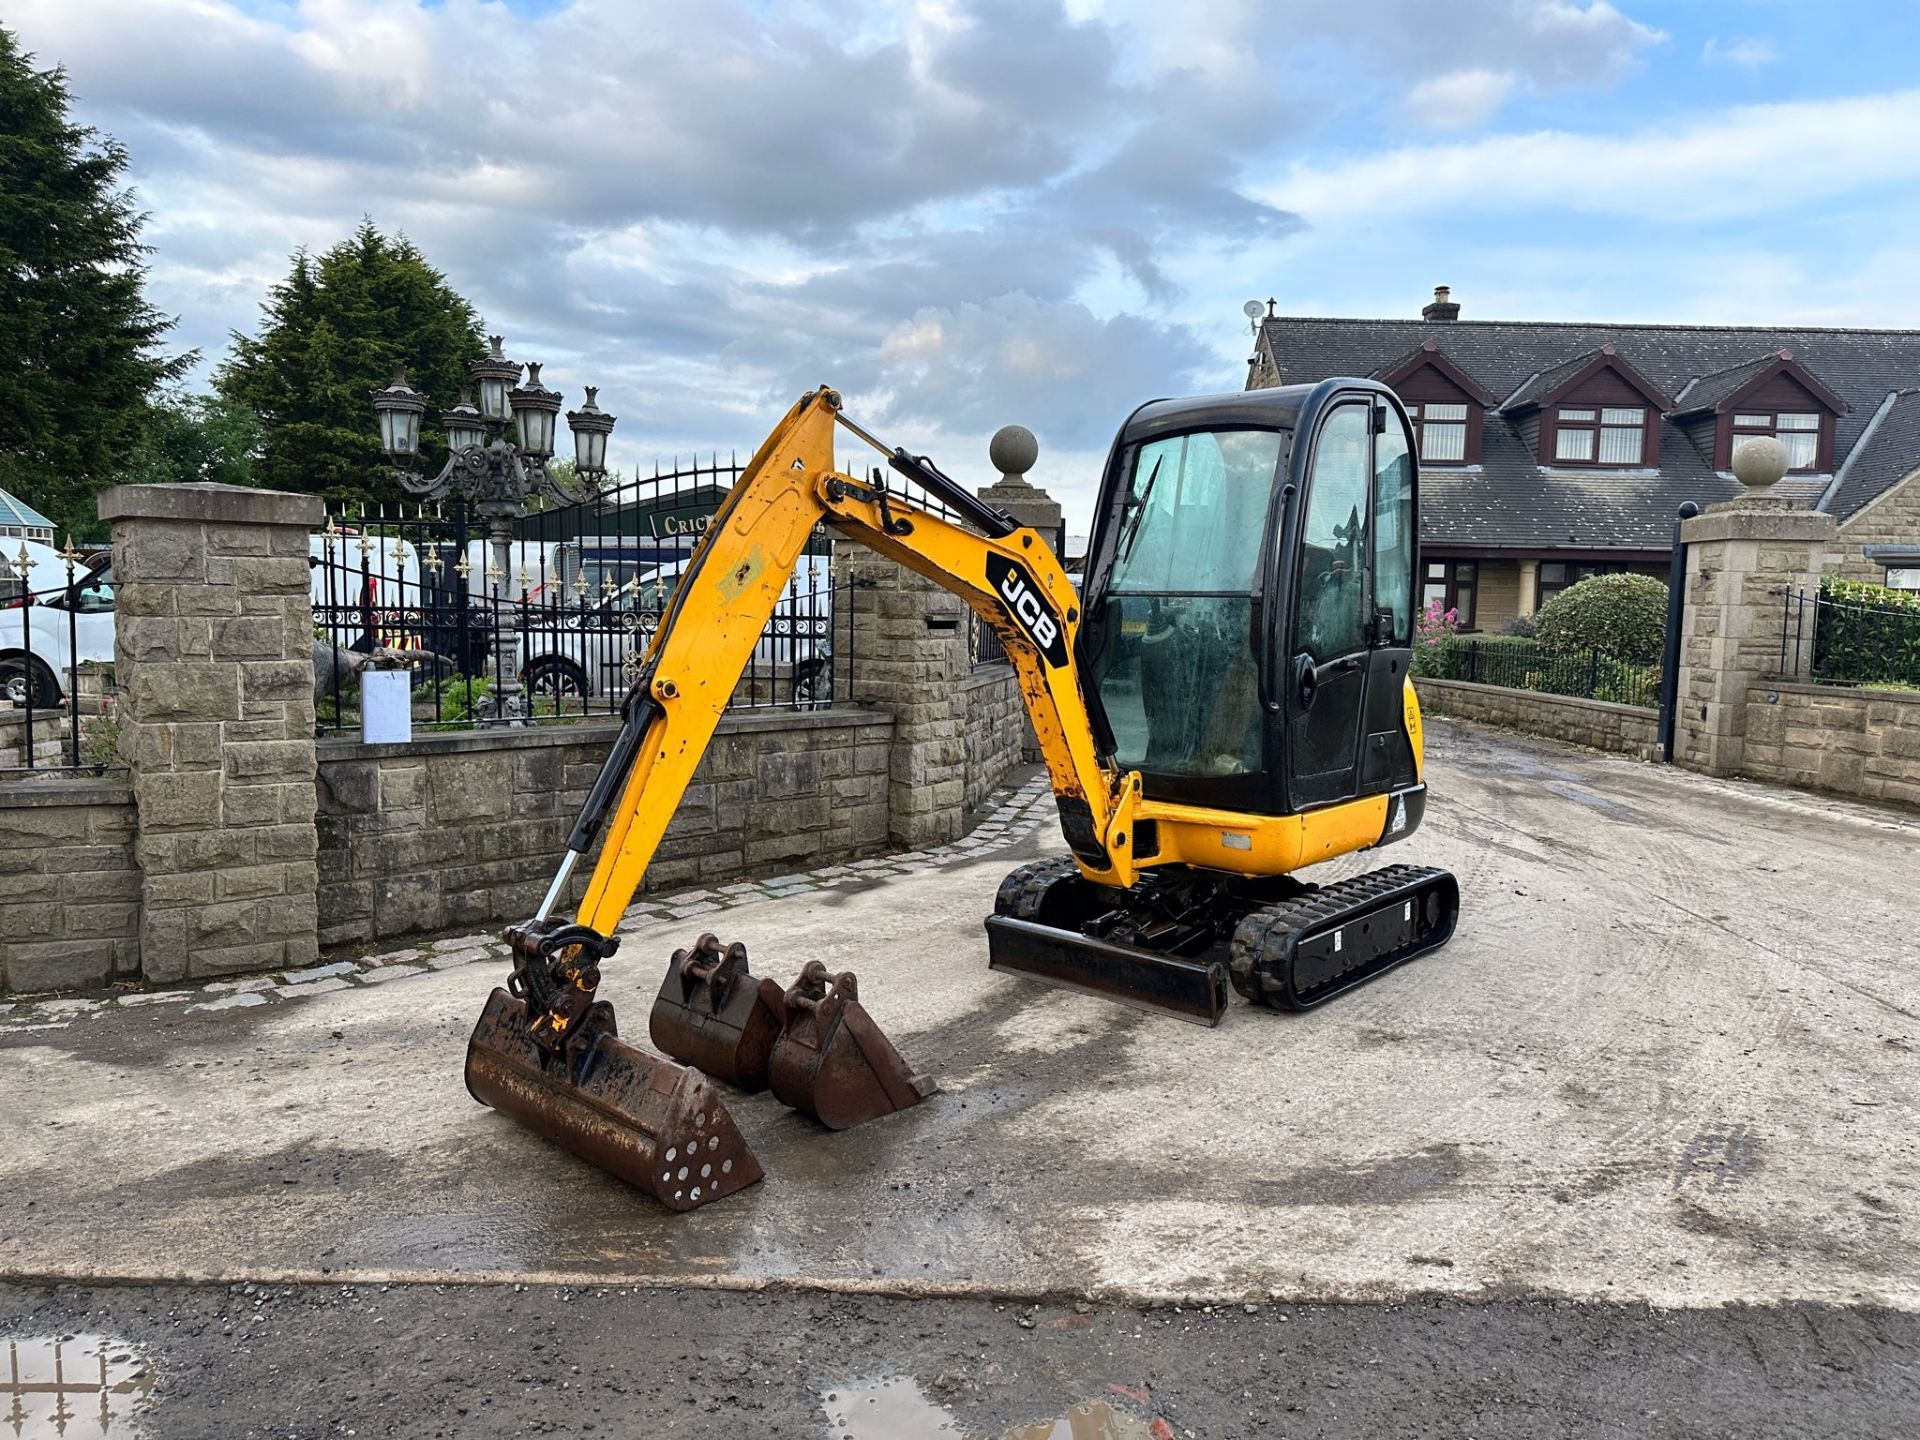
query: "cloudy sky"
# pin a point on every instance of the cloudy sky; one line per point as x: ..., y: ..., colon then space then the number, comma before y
x: 969, y: 212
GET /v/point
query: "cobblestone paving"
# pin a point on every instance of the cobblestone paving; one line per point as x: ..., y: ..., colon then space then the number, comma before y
x: 1017, y: 813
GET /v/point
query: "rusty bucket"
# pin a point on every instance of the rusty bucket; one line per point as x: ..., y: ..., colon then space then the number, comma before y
x: 655, y: 1124
x: 831, y: 1060
x: 711, y: 1013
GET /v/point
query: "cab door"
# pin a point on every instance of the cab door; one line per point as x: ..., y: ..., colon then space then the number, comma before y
x: 1386, y: 756
x: 1324, y: 685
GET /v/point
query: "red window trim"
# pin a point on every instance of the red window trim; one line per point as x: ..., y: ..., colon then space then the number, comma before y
x: 1730, y: 433
x: 1551, y: 425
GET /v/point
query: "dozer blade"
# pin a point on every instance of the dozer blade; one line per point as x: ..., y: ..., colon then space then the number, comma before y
x: 713, y: 1015
x: 1193, y: 990
x: 831, y: 1060
x: 655, y: 1124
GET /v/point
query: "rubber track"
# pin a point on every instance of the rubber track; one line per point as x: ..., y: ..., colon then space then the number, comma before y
x: 1022, y: 890
x: 1263, y: 934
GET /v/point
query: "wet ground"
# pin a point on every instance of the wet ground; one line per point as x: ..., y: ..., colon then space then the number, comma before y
x: 474, y: 1363
x: 1669, y: 1059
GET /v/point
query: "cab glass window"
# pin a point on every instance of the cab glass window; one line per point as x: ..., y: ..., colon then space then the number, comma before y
x: 1330, y: 616
x: 1393, y: 534
x: 1175, y: 664
x: 1195, y: 513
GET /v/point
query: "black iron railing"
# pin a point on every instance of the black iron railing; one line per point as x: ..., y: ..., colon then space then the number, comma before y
x: 1523, y: 664
x: 1842, y: 635
x: 554, y: 627
x: 56, y: 665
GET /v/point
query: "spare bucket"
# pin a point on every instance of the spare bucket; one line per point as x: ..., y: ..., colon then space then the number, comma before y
x: 714, y: 1015
x: 831, y: 1061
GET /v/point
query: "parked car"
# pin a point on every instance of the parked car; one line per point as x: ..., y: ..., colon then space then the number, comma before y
x: 582, y: 655
x: 42, y: 637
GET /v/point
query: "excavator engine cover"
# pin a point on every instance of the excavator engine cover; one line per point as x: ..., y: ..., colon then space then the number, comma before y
x: 711, y: 1013
x: 547, y: 1054
x: 831, y: 1060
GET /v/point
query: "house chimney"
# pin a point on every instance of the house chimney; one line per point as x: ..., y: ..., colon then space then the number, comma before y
x: 1442, y: 309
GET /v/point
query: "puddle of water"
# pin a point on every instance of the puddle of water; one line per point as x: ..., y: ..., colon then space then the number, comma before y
x: 893, y: 1408
x: 72, y: 1387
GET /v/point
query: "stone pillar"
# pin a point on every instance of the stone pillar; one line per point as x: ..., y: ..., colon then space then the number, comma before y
x: 1529, y: 588
x: 213, y: 650
x: 910, y: 660
x: 1013, y: 451
x: 1745, y: 556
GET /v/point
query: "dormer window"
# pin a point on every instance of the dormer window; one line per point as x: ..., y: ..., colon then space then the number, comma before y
x: 1799, y: 431
x: 1772, y: 395
x: 1441, y: 431
x: 1594, y: 409
x: 1446, y: 405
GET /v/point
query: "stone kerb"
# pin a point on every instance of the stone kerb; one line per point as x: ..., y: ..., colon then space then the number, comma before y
x: 1744, y: 557
x: 213, y: 649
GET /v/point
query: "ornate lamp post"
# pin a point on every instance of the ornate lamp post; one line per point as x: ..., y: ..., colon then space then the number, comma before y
x: 498, y: 455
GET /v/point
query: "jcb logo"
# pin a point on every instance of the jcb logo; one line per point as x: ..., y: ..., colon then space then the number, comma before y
x: 1027, y: 608
x: 1024, y: 604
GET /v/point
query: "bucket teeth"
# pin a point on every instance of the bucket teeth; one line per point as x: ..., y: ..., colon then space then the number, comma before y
x: 832, y: 1061
x: 655, y: 1124
x: 713, y: 1014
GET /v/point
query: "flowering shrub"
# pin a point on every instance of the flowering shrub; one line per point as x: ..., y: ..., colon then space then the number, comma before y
x: 1434, y: 629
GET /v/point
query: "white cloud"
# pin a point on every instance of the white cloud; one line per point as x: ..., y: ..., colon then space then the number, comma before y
x: 1702, y: 170
x: 1460, y: 99
x: 1746, y: 53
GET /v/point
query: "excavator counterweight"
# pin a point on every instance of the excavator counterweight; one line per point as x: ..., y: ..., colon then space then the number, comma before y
x: 1224, y: 701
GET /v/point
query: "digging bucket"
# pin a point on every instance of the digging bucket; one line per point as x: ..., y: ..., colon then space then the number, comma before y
x: 655, y: 1124
x: 831, y: 1061
x: 712, y: 1014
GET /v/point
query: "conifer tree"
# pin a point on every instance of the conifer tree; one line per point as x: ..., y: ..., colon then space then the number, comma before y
x: 329, y: 336
x: 79, y: 344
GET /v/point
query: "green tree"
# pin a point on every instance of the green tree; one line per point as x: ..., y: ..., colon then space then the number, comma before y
x: 79, y: 344
x: 330, y: 335
x: 195, y: 437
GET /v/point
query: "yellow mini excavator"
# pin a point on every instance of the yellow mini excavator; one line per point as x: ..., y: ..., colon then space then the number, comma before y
x: 1225, y: 702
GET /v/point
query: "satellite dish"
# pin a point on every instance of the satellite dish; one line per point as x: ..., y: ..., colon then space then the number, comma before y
x: 1252, y: 309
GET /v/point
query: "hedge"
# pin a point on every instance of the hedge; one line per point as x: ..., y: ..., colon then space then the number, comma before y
x: 1866, y: 633
x: 1622, y: 616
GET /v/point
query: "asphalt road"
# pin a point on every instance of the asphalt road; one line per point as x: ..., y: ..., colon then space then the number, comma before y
x: 478, y: 1362
x: 1645, y: 1137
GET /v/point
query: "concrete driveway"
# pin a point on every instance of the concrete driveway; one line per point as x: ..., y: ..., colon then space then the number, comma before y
x: 1671, y: 1056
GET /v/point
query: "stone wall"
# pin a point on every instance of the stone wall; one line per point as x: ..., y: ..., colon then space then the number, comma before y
x: 1597, y: 724
x: 1827, y: 737
x: 996, y: 731
x: 1893, y: 518
x: 467, y: 828
x: 69, y: 885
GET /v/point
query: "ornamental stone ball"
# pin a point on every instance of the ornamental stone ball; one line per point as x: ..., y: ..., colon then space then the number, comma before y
x: 1759, y: 463
x: 1012, y: 451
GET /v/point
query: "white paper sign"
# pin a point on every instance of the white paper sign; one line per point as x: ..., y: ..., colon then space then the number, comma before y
x: 386, y: 706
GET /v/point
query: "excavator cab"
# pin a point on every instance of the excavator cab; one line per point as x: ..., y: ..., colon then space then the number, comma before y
x: 1249, y: 598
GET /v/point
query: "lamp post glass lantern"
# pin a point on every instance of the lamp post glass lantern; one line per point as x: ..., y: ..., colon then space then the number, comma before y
x: 497, y: 459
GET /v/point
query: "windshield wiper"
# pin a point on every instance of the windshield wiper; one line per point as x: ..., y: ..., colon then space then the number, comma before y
x: 1139, y: 513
